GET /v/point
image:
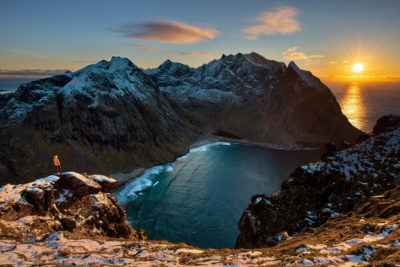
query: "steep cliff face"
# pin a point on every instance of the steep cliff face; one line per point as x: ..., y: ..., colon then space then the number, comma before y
x: 257, y: 99
x: 316, y: 192
x: 107, y: 117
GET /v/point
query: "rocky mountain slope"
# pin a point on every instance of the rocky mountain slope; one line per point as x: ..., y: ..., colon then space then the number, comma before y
x: 50, y: 222
x: 340, y: 183
x: 247, y: 96
x: 107, y: 117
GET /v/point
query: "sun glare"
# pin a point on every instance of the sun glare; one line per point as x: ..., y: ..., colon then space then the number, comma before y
x: 358, y: 67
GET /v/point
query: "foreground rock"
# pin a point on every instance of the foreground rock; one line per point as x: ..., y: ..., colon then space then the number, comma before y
x: 316, y: 192
x: 67, y: 202
x: 368, y: 235
x: 246, y: 96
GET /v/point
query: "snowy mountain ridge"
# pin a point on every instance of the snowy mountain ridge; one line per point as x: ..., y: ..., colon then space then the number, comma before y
x: 111, y: 79
x: 257, y: 99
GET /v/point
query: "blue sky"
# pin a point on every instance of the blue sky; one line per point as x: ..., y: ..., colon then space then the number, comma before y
x: 326, y: 37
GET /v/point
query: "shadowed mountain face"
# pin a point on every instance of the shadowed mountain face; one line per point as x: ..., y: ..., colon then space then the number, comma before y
x: 257, y: 99
x: 114, y: 117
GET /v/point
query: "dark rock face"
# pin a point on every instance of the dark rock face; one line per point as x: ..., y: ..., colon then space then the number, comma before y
x: 342, y: 182
x: 106, y: 112
x: 69, y: 202
x: 386, y: 123
x: 257, y: 99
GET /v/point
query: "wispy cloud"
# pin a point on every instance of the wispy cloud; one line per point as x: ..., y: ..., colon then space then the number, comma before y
x: 206, y: 55
x: 35, y: 73
x: 293, y: 54
x: 281, y: 20
x: 168, y: 32
x: 145, y: 48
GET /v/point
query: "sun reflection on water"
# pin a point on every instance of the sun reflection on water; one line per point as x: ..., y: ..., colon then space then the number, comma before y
x: 353, y: 107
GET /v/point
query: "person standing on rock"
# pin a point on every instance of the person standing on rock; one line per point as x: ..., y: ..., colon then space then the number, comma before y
x: 57, y: 164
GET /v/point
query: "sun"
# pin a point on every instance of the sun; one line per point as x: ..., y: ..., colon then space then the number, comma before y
x: 358, y: 67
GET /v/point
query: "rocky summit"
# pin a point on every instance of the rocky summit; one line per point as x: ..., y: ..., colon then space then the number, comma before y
x: 252, y: 98
x: 342, y: 182
x: 82, y: 205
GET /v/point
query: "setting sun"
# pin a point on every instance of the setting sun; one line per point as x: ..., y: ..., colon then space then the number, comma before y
x: 358, y: 67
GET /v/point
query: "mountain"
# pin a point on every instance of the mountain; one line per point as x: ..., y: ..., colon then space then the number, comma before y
x: 108, y: 116
x: 114, y: 117
x: 255, y: 99
x: 342, y: 182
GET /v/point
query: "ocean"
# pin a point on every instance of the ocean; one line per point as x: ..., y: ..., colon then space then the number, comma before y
x: 365, y: 102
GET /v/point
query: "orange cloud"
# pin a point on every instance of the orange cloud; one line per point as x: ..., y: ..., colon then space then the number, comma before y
x: 145, y: 48
x: 293, y: 54
x: 207, y: 55
x: 281, y: 20
x: 168, y: 32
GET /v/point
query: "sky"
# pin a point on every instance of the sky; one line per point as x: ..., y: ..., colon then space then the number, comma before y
x: 39, y: 38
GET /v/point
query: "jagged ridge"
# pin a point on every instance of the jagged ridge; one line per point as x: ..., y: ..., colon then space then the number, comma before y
x: 257, y: 99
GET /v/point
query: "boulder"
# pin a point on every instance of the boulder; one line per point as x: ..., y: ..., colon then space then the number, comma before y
x: 68, y: 223
x: 108, y: 184
x: 78, y: 184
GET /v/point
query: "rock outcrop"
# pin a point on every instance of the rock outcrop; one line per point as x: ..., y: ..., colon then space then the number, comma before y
x: 314, y: 193
x: 252, y: 98
x: 66, y: 202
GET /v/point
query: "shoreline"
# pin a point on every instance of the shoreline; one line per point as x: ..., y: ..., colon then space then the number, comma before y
x: 125, y: 178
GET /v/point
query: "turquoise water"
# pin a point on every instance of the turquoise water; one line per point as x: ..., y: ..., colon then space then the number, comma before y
x: 200, y: 198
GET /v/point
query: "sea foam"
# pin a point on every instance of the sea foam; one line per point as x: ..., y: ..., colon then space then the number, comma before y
x: 148, y: 179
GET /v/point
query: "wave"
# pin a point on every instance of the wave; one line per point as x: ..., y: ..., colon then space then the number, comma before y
x: 205, y: 147
x: 142, y: 183
x: 148, y: 179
